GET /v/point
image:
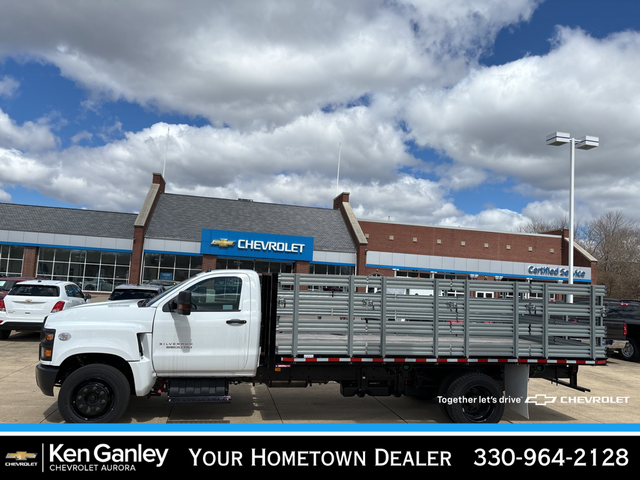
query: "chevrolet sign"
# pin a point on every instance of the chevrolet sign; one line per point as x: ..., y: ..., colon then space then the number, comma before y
x: 256, y: 245
x: 261, y: 245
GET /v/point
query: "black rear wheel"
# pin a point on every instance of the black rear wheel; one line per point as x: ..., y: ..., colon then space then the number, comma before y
x: 475, y: 398
x: 631, y: 351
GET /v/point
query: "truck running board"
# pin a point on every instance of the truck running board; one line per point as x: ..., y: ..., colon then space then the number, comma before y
x: 199, y: 390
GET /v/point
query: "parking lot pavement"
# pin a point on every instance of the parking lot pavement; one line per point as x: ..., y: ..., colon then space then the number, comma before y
x: 613, y: 398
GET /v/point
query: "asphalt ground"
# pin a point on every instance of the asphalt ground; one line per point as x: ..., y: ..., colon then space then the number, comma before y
x: 614, y: 398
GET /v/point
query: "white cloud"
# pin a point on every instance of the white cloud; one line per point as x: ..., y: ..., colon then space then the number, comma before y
x: 81, y: 136
x: 8, y: 86
x: 32, y: 136
x: 496, y: 219
x: 258, y: 66
x: 279, y: 81
x: 496, y: 120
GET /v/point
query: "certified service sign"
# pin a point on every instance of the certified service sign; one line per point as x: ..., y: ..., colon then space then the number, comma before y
x: 229, y: 243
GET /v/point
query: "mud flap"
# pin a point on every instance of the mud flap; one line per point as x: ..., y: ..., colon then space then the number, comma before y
x: 516, y: 383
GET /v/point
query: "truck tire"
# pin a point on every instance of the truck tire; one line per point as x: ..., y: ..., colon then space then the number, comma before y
x: 445, y: 384
x: 4, y: 334
x: 94, y: 394
x: 631, y: 352
x: 475, y: 398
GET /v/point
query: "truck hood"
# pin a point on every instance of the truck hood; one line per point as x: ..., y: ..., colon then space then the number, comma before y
x: 125, y: 315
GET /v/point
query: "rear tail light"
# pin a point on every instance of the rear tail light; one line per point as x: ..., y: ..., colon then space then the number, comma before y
x: 57, y: 307
x: 2, y: 307
x: 625, y: 330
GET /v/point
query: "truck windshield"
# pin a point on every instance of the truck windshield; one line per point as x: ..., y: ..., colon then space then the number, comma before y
x: 166, y: 293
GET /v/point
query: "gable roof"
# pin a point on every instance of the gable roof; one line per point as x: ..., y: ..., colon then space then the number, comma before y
x: 182, y: 217
x: 69, y: 221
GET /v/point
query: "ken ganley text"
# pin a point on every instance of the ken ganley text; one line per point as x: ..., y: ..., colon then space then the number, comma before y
x: 320, y: 458
x: 104, y: 457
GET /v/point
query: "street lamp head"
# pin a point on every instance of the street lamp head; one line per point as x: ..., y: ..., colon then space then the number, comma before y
x: 558, y: 138
x: 588, y: 142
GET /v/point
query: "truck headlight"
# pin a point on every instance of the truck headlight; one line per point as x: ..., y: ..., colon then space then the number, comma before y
x: 47, y: 337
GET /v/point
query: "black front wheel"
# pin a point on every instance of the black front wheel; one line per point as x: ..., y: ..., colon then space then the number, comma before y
x: 94, y: 394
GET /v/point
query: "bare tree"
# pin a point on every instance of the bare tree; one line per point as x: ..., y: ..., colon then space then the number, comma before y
x: 538, y: 225
x: 614, y: 240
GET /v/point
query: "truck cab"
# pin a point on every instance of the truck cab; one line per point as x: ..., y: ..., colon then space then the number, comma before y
x: 207, y: 327
x: 216, y: 330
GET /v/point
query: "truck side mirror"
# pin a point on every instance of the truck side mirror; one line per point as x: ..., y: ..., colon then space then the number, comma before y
x: 183, y: 303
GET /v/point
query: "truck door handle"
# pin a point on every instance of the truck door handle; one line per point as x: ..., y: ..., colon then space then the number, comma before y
x: 236, y: 321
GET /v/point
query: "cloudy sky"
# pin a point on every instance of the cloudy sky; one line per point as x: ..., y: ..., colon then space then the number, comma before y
x: 432, y: 112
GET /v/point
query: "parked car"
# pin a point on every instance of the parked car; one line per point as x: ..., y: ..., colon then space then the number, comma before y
x: 97, y: 285
x: 7, y: 282
x: 165, y: 284
x: 623, y: 327
x: 28, y: 303
x: 135, y: 292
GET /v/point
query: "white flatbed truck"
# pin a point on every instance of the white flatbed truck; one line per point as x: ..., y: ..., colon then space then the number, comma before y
x: 225, y: 327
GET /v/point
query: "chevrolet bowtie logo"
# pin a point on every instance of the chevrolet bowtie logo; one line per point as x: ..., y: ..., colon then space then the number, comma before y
x: 21, y: 455
x: 541, y: 399
x: 223, y: 243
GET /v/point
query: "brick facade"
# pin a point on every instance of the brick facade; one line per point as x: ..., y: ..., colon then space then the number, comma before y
x: 140, y: 227
x: 386, y: 237
x: 209, y: 262
x: 30, y: 262
x: 548, y: 249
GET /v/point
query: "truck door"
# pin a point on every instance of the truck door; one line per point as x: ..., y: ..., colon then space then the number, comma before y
x: 216, y: 338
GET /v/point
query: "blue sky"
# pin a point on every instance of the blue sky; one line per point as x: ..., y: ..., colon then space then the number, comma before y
x: 438, y: 110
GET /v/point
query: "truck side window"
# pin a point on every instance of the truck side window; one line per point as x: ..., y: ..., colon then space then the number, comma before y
x: 219, y: 294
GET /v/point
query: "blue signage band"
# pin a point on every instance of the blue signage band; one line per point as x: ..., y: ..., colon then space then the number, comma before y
x: 229, y: 243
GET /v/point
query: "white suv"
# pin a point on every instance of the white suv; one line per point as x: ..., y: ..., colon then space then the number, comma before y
x: 28, y: 303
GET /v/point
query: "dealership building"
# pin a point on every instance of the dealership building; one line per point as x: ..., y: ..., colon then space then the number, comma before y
x: 175, y: 236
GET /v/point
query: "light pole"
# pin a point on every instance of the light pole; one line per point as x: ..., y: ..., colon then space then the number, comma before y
x: 587, y: 143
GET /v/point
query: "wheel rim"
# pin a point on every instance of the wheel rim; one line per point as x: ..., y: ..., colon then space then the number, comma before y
x: 92, y: 399
x: 628, y: 350
x: 479, y: 404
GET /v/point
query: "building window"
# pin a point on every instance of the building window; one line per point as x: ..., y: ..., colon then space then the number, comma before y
x: 426, y: 274
x: 166, y: 266
x: 260, y: 266
x: 413, y: 274
x: 485, y: 294
x: 322, y: 269
x: 11, y: 260
x: 92, y: 270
